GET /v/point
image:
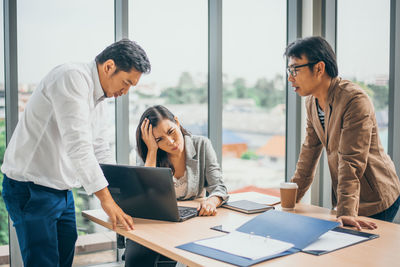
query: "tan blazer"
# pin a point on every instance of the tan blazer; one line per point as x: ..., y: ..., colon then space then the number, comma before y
x: 364, y: 179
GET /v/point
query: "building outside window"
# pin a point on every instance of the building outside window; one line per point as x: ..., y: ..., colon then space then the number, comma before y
x: 363, y: 40
x: 175, y: 37
x: 254, y: 96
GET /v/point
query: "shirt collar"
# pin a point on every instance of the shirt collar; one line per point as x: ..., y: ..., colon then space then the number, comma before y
x: 98, y: 93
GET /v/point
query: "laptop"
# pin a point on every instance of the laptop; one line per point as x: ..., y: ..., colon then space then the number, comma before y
x: 145, y: 192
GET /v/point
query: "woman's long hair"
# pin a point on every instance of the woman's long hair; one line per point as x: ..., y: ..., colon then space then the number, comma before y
x: 155, y: 114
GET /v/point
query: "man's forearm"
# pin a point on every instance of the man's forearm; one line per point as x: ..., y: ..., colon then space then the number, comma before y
x: 103, y: 194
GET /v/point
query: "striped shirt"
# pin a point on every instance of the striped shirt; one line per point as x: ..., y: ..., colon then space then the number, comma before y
x: 321, y: 115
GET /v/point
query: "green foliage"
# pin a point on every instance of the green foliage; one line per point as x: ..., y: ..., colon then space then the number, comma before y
x: 185, y: 92
x: 378, y: 93
x: 240, y: 88
x: 267, y: 93
x: 366, y: 88
x: 249, y: 155
x: 3, y: 212
x: 82, y: 203
x: 381, y: 96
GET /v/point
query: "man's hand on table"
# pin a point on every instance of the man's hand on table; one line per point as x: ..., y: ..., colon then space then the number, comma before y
x: 355, y: 221
x: 114, y: 212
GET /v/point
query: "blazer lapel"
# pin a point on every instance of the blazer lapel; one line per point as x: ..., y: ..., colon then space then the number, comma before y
x: 192, y: 169
x: 328, y: 110
x: 316, y: 122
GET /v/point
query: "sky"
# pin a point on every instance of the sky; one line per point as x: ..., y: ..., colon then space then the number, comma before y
x: 174, y: 34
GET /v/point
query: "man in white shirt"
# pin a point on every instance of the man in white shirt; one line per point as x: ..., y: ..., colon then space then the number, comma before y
x: 58, y: 144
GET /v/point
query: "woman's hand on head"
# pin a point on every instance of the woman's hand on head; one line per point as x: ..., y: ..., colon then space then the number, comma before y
x: 147, y: 135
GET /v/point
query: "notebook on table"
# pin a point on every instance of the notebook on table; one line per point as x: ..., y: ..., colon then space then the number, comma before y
x: 247, y: 206
x: 256, y: 197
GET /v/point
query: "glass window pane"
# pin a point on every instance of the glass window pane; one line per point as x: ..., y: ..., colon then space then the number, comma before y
x: 363, y: 52
x: 175, y: 37
x: 3, y: 212
x: 51, y: 33
x: 254, y: 39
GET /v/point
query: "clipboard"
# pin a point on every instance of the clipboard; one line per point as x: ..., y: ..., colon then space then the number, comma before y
x: 366, y: 236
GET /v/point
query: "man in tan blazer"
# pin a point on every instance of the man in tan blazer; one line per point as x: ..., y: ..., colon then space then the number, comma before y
x: 341, y: 118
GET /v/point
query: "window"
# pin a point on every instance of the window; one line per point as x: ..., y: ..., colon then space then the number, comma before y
x: 363, y: 39
x: 56, y: 32
x: 254, y: 39
x: 175, y: 37
x: 3, y: 212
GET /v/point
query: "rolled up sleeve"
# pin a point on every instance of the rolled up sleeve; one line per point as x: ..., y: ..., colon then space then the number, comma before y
x: 215, y: 184
x: 308, y: 160
x: 354, y: 145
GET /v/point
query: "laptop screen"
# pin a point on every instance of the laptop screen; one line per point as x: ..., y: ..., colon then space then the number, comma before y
x: 143, y: 192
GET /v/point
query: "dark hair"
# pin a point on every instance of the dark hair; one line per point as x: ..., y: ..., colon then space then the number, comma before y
x: 315, y: 49
x: 127, y: 55
x: 155, y: 114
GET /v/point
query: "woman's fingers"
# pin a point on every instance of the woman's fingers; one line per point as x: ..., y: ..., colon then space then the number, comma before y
x: 207, y: 209
x: 143, y: 127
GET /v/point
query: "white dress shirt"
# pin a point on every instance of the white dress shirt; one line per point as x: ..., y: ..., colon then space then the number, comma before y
x: 59, y: 139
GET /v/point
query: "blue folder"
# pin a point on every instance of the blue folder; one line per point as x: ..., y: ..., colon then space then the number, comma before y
x: 230, y: 258
x: 289, y: 227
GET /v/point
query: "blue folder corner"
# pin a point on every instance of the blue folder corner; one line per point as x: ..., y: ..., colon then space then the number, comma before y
x: 227, y: 257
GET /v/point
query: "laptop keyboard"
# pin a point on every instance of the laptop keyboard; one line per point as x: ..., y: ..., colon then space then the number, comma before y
x: 186, y: 211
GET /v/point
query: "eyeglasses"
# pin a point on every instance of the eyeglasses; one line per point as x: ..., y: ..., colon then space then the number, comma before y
x: 293, y: 70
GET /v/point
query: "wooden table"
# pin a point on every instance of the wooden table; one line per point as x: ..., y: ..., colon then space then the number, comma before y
x: 163, y: 237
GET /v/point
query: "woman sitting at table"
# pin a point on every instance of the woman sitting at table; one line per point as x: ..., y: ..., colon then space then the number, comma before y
x: 163, y: 142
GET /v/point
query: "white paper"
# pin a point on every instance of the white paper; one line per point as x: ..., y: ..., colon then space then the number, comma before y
x: 256, y: 197
x: 246, y: 245
x: 332, y: 240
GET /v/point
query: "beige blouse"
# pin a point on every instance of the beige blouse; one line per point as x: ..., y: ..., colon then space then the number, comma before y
x: 181, y: 185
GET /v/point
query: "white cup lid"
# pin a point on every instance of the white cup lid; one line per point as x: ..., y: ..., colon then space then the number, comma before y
x: 289, y: 185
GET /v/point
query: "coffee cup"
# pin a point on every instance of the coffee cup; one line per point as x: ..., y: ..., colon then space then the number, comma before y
x: 288, y: 195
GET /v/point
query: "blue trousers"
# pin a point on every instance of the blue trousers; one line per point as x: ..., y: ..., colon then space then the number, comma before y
x: 44, y: 219
x: 389, y: 214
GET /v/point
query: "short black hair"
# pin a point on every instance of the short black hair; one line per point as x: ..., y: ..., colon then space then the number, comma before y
x: 126, y: 54
x: 316, y: 49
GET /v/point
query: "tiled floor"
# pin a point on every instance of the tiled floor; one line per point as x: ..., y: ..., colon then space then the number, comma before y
x: 99, y: 259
